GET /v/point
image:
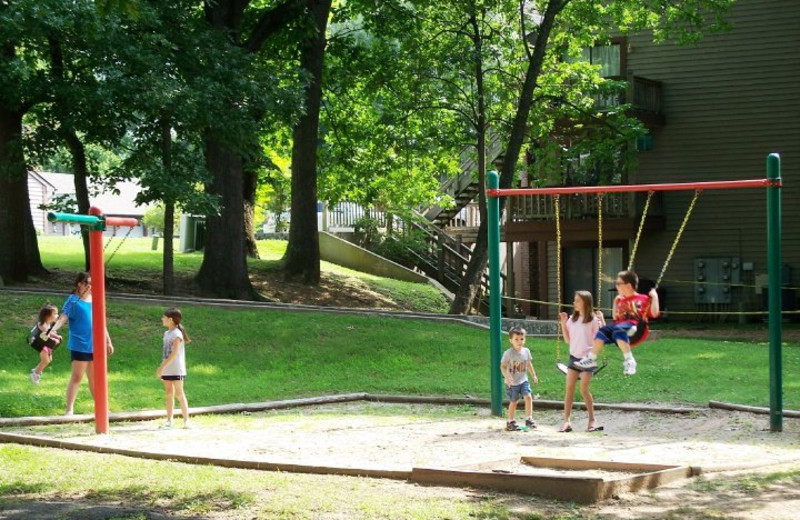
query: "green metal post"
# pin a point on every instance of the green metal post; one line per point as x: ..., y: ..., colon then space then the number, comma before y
x: 495, y: 311
x: 774, y: 270
x: 92, y: 222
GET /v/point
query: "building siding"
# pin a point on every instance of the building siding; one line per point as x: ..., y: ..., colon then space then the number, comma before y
x: 729, y: 101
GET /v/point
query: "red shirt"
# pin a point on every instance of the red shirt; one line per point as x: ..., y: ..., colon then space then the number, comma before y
x: 632, y: 308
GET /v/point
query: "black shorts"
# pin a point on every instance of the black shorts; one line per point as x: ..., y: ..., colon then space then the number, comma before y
x: 573, y: 359
x: 81, y: 356
x: 173, y: 378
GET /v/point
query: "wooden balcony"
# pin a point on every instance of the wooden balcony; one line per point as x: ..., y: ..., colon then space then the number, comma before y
x: 645, y: 97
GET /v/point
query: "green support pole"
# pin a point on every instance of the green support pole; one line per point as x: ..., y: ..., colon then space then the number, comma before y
x: 495, y: 303
x: 774, y: 269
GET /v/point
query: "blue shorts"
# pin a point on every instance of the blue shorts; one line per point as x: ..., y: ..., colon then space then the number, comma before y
x: 81, y: 356
x: 614, y: 333
x: 514, y: 392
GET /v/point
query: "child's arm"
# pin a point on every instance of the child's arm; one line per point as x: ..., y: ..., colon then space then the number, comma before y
x: 506, y: 375
x: 109, y: 345
x: 615, y: 312
x: 62, y: 319
x: 533, y: 372
x: 600, y: 318
x: 564, y: 316
x: 655, y: 309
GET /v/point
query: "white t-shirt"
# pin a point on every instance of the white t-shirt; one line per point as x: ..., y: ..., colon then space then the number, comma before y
x: 178, y: 365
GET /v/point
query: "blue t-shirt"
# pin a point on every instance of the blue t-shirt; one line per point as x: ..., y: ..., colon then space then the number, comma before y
x: 80, y: 324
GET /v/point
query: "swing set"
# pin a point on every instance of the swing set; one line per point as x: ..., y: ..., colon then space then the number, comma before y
x: 772, y: 184
x: 95, y: 222
x: 641, y: 330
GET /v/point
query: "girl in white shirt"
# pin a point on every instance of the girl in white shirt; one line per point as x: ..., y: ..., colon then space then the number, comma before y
x: 172, y: 370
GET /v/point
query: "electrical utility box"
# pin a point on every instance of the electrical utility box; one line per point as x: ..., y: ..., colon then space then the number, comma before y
x: 713, y: 277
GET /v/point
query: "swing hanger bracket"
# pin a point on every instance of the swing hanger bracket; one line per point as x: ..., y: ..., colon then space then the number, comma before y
x: 94, y: 221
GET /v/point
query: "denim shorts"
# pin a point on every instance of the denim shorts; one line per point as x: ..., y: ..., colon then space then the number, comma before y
x: 514, y: 392
x: 614, y: 333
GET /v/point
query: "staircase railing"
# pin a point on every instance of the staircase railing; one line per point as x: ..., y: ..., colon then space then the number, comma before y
x: 469, y: 165
x: 445, y: 259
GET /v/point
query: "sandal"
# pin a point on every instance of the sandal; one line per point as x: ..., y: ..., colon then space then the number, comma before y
x: 566, y: 428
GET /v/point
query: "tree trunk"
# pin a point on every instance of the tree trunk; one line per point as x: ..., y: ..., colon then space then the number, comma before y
x: 19, y: 249
x: 168, y: 264
x: 249, y: 194
x: 80, y: 177
x: 480, y: 254
x: 169, y: 232
x: 302, y: 254
x: 223, y: 272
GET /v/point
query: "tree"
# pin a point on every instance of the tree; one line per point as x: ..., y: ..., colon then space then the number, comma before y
x: 576, y: 24
x: 302, y: 252
x: 224, y: 268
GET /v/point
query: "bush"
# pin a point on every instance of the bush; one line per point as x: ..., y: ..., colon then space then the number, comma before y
x: 401, y: 248
x: 367, y: 233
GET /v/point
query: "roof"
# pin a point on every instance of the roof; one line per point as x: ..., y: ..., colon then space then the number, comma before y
x: 108, y: 202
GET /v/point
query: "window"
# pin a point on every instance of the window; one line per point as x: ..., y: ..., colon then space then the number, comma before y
x: 609, y: 57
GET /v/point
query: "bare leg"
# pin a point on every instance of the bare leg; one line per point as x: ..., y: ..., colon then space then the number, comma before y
x: 182, y: 401
x: 78, y: 369
x: 169, y: 389
x: 528, y: 406
x: 44, y: 360
x: 588, y: 399
x: 569, y: 395
x: 512, y: 410
x: 624, y: 346
x: 597, y: 347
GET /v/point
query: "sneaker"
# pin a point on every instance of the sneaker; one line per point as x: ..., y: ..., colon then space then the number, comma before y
x: 585, y: 363
x: 511, y: 426
x: 530, y: 424
x: 187, y: 425
x: 167, y: 424
x: 629, y: 367
x: 35, y: 378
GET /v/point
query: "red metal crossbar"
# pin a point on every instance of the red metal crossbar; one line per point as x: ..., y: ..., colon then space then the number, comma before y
x: 568, y: 190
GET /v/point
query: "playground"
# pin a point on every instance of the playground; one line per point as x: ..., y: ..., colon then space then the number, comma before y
x: 388, y: 440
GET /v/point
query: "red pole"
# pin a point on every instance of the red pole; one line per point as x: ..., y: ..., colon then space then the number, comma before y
x: 97, y: 271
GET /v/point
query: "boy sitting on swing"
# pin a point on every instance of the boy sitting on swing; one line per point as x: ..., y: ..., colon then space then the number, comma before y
x: 629, y: 308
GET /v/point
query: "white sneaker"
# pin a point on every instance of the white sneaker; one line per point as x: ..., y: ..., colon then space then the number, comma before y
x: 629, y: 367
x: 35, y: 378
x: 585, y: 363
x: 167, y: 424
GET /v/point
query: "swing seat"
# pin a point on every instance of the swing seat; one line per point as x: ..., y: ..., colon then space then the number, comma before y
x: 563, y: 367
x: 638, y: 333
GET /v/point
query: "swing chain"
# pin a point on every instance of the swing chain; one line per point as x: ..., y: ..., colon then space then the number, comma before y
x: 678, y: 236
x: 111, y: 238
x: 130, y: 228
x: 641, y: 227
x: 557, y: 202
x: 599, y: 250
